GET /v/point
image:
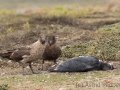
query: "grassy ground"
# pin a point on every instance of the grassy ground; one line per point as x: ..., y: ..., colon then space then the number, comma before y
x: 94, y: 80
x: 80, y: 30
x: 40, y: 3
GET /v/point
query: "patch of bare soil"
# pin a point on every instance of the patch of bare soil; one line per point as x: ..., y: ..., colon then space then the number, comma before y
x: 13, y: 68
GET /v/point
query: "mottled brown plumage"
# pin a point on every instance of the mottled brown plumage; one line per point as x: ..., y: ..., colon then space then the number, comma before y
x: 6, y: 54
x: 16, y: 54
x: 52, y: 50
x: 27, y: 54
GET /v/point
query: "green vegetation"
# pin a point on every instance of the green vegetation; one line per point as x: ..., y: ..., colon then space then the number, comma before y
x: 6, y: 12
x: 3, y: 87
x: 106, y: 48
x: 110, y: 28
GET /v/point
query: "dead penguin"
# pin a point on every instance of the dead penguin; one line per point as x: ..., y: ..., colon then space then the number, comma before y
x: 81, y: 64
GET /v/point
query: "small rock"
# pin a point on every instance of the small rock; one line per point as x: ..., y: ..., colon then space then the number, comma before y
x: 2, y: 73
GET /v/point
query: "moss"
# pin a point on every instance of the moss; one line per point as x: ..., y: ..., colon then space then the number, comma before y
x: 107, y: 48
x: 110, y: 28
x: 74, y: 50
x: 4, y: 87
